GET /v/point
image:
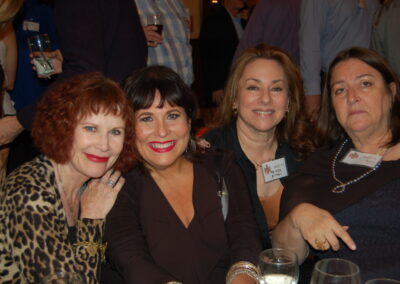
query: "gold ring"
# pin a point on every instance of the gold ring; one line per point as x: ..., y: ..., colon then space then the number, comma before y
x: 320, y: 245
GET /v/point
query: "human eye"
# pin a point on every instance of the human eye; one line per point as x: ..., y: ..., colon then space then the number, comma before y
x: 338, y: 91
x: 252, y: 88
x: 90, y: 128
x: 173, y: 115
x: 277, y: 89
x: 366, y: 84
x: 145, y: 118
x: 116, y: 132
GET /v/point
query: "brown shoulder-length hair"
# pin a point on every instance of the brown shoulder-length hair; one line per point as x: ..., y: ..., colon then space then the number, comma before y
x: 65, y: 104
x: 294, y: 129
x: 141, y: 88
x: 330, y: 131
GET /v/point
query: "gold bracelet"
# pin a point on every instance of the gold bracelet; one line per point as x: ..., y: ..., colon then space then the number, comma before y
x: 92, y: 248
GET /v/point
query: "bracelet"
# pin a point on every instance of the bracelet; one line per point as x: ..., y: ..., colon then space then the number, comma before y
x: 242, y: 267
x: 92, y: 248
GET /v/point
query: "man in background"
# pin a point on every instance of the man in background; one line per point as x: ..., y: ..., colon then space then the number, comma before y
x: 219, y: 37
x: 171, y: 47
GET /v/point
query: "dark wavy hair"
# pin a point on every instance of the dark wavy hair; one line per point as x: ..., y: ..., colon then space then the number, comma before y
x: 294, y: 129
x: 66, y: 103
x: 141, y: 88
x: 330, y: 131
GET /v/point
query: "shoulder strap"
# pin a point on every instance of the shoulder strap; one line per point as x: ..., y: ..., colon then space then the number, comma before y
x: 220, y: 161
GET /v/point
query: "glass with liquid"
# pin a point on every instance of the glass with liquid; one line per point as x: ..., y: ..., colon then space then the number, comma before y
x: 278, y: 266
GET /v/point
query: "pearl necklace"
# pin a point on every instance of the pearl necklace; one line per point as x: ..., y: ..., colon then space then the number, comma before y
x: 342, y: 185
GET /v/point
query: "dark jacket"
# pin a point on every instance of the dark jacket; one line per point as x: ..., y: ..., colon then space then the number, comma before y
x: 226, y: 138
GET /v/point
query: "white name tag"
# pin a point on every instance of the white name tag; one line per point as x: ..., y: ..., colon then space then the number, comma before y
x: 275, y: 169
x: 31, y: 26
x: 353, y: 157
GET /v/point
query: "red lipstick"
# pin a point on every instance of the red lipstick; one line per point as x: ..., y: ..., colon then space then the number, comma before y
x: 96, y: 159
x: 162, y: 147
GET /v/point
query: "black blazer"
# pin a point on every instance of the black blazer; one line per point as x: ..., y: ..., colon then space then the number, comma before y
x: 218, y: 42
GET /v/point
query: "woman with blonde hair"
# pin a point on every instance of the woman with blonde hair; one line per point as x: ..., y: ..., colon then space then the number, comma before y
x: 261, y: 120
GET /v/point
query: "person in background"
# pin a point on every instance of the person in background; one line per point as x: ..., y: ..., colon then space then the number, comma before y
x: 384, y: 37
x: 187, y: 239
x: 219, y: 36
x: 53, y: 208
x: 344, y: 201
x: 94, y: 36
x: 276, y: 23
x: 36, y: 17
x: 261, y: 120
x: 327, y: 27
x: 172, y: 47
x: 8, y: 60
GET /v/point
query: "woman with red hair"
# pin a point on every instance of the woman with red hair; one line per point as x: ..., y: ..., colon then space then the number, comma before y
x: 52, y: 209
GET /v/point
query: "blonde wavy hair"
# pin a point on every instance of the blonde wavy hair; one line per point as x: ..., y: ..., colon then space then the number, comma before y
x: 8, y: 9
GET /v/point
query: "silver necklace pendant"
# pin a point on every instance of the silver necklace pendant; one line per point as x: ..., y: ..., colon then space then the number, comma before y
x: 339, y: 188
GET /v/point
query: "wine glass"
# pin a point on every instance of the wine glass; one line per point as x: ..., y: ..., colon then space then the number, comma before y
x: 335, y: 271
x: 63, y: 278
x: 278, y: 266
x: 382, y: 281
x: 38, y: 46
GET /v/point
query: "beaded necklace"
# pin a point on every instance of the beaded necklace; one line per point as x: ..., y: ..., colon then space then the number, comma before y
x: 342, y: 185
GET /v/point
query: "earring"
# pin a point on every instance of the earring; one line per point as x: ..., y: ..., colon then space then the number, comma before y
x: 234, y: 110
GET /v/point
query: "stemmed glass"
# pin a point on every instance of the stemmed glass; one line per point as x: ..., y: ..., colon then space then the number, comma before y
x: 335, y: 271
x: 382, y: 281
x: 278, y: 266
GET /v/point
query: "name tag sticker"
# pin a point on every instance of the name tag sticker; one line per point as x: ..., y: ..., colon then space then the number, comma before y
x: 275, y: 169
x: 30, y: 26
x: 353, y: 157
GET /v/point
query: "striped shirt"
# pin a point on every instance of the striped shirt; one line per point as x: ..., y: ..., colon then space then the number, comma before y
x: 175, y: 50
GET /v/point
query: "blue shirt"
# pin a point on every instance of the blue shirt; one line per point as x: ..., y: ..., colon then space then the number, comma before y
x: 328, y: 27
x: 175, y: 50
x: 28, y: 86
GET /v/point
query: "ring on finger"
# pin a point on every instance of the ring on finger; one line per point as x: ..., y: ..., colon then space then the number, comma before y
x: 111, y: 183
x: 320, y: 245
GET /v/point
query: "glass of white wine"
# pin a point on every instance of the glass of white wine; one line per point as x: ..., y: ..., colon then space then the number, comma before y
x: 278, y: 266
x: 335, y: 271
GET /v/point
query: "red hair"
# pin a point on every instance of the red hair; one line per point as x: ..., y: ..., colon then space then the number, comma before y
x: 66, y: 103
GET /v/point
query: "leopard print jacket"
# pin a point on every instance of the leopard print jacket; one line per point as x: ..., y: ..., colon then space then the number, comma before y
x: 34, y: 230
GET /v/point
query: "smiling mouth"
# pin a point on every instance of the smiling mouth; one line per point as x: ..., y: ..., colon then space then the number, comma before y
x: 96, y: 159
x: 264, y: 112
x: 162, y: 147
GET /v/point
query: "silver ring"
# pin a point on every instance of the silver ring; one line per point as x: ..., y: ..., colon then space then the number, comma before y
x: 111, y: 182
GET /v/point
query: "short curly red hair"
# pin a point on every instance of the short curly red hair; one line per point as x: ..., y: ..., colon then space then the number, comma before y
x: 66, y: 103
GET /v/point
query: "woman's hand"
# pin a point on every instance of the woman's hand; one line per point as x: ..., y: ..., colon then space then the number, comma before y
x: 55, y: 58
x: 100, y: 195
x: 243, y: 279
x: 319, y: 228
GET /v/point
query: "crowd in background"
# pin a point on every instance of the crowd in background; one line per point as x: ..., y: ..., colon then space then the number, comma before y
x: 299, y: 87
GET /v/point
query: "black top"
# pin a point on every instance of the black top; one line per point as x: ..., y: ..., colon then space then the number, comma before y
x: 226, y: 138
x: 370, y: 207
x: 149, y: 244
x: 218, y: 42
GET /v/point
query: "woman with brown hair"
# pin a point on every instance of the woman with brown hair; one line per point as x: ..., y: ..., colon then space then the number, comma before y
x: 262, y: 120
x: 344, y: 202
